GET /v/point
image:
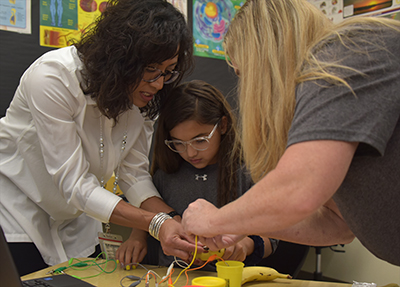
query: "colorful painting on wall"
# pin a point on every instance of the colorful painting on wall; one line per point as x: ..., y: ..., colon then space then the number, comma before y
x: 211, y: 19
x: 64, y: 21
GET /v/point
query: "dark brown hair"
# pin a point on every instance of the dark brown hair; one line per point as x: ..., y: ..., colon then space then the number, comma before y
x: 127, y: 37
x: 199, y: 101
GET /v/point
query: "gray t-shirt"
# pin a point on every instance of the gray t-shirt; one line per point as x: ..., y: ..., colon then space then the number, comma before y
x: 369, y: 197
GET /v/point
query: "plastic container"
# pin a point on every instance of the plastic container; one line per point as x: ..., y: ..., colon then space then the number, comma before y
x: 209, y: 281
x: 231, y: 271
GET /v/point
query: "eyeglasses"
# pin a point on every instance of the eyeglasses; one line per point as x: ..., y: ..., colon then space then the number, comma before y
x: 152, y: 74
x: 200, y: 143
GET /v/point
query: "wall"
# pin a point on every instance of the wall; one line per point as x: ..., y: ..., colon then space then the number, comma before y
x: 356, y: 264
x: 218, y: 73
x: 17, y: 52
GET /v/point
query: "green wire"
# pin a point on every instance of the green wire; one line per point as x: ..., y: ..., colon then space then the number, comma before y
x: 87, y: 264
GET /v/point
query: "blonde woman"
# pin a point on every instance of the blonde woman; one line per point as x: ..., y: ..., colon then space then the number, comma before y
x: 320, y: 106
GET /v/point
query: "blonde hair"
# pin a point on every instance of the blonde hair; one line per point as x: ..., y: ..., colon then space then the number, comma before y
x: 270, y: 42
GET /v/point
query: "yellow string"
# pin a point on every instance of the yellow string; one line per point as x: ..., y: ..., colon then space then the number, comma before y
x: 194, y: 257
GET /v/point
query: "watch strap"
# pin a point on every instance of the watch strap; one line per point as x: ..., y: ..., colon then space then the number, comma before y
x: 173, y: 213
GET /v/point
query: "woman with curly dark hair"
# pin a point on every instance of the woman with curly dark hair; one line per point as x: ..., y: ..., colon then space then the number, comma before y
x: 80, y: 114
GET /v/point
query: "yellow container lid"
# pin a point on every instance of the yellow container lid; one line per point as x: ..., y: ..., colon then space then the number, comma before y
x: 209, y: 281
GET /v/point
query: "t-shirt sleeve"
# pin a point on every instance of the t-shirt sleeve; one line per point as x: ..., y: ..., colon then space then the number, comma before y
x: 325, y: 111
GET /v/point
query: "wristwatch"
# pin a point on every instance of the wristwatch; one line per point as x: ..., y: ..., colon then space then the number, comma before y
x: 173, y: 213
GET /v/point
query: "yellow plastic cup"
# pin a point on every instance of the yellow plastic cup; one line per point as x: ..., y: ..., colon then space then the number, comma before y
x: 209, y: 281
x: 231, y: 271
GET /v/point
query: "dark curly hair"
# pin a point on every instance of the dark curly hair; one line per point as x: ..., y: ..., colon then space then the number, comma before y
x: 127, y: 37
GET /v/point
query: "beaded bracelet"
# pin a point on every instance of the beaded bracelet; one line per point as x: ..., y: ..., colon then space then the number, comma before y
x: 156, y: 222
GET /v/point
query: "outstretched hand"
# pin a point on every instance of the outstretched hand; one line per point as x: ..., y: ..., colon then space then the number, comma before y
x: 174, y: 241
x: 133, y: 249
x: 196, y: 221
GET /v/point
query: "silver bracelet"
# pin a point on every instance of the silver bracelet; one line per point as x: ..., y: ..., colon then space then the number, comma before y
x: 156, y: 222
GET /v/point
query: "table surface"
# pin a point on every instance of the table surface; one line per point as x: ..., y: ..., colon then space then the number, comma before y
x: 114, y: 278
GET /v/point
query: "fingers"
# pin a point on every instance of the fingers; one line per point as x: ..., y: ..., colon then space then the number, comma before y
x: 235, y: 252
x: 229, y: 239
x: 138, y: 254
x: 127, y: 256
x: 214, y: 243
x: 141, y: 255
x: 221, y: 241
x: 131, y: 252
x: 176, y: 246
x: 192, y: 239
x: 190, y: 218
x: 121, y: 256
x: 228, y: 253
x: 174, y: 241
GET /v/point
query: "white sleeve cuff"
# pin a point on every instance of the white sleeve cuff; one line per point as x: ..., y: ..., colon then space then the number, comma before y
x: 141, y: 191
x: 101, y: 203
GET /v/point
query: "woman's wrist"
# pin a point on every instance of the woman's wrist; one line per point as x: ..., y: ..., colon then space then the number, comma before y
x: 173, y: 213
x: 156, y: 222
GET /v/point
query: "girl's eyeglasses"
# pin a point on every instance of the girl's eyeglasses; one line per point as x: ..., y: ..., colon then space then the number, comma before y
x: 200, y: 143
x: 152, y: 74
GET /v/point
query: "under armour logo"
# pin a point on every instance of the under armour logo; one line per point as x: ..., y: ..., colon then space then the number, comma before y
x: 197, y: 177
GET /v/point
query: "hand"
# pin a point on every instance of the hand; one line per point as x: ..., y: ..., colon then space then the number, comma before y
x: 240, y: 250
x: 237, y: 252
x: 196, y: 218
x: 174, y: 241
x: 134, y: 249
x: 221, y: 241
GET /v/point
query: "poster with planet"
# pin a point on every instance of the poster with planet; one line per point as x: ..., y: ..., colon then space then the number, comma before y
x: 211, y: 19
